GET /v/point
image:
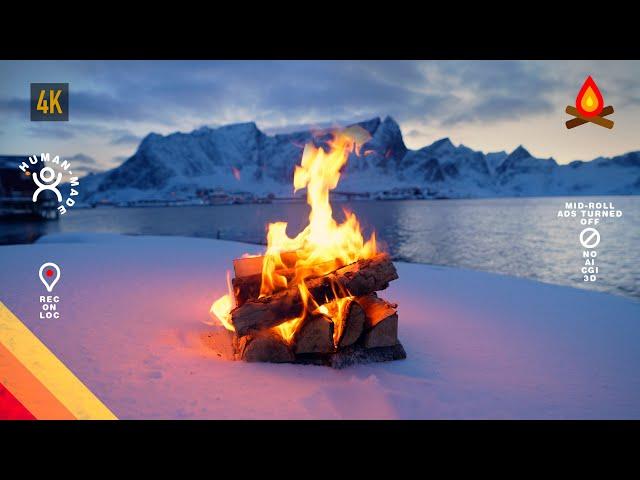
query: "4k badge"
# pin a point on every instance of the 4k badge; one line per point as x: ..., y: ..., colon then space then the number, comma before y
x: 49, y: 102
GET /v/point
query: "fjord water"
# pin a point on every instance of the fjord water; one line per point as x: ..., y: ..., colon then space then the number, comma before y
x: 514, y: 236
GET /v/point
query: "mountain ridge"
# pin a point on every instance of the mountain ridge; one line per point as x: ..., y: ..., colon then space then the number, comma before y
x: 241, y: 159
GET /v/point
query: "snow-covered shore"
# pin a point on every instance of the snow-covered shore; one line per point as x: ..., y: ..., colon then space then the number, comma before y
x: 479, y: 345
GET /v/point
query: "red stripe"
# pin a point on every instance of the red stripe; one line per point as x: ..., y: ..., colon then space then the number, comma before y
x: 11, y: 408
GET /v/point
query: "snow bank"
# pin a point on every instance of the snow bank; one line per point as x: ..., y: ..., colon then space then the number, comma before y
x: 479, y: 345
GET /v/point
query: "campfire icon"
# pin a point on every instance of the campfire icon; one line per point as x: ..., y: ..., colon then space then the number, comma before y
x: 589, y: 107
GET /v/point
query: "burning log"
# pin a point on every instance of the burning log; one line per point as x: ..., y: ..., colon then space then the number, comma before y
x: 248, y: 275
x: 246, y: 288
x: 381, y: 326
x: 265, y: 346
x: 315, y: 335
x: 247, y: 283
x: 359, y: 278
x: 351, y: 326
x: 249, y: 266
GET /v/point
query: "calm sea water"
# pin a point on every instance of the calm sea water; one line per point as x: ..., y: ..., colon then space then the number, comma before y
x: 521, y: 237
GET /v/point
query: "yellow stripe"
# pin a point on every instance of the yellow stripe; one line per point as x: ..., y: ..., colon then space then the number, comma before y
x: 50, y: 371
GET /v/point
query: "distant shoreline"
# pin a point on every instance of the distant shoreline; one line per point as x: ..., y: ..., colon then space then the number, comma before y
x: 302, y: 200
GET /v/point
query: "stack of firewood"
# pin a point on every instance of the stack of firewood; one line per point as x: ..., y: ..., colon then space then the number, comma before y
x: 367, y: 330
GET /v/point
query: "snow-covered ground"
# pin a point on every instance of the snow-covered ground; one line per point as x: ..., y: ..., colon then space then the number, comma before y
x: 479, y: 345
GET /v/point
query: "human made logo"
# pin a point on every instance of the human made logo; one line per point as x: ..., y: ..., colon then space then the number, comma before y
x: 50, y: 175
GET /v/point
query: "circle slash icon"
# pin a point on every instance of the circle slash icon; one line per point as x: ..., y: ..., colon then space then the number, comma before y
x: 49, y: 275
x: 589, y: 237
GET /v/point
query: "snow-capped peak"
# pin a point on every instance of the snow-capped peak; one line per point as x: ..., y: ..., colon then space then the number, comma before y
x: 519, y: 153
x: 442, y: 145
x: 242, y: 158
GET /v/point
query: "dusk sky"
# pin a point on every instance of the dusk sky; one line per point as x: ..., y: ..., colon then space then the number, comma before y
x: 486, y: 105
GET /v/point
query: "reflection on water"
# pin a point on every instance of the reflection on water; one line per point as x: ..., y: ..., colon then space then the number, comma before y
x: 521, y: 237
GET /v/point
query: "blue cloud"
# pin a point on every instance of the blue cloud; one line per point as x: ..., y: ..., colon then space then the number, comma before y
x: 126, y: 139
x: 277, y: 92
x: 85, y: 159
x: 14, y: 105
x: 64, y: 130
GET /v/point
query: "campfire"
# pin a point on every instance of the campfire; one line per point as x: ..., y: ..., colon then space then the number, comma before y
x: 313, y: 298
x: 589, y: 107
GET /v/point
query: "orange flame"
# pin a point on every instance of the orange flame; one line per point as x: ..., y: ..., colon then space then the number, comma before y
x: 589, y: 101
x: 289, y: 328
x: 337, y: 311
x: 324, y: 245
x: 221, y: 308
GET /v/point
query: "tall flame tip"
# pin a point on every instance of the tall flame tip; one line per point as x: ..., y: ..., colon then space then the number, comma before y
x: 322, y: 246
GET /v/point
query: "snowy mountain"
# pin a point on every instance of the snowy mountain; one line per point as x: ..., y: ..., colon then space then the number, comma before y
x: 242, y: 160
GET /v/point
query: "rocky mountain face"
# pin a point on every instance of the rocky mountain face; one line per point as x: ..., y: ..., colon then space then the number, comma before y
x: 241, y: 158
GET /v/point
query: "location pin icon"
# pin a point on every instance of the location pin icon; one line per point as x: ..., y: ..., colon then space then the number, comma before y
x: 49, y: 275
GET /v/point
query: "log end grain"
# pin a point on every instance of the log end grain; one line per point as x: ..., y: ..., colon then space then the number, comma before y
x: 383, y: 334
x: 353, y: 325
x: 315, y: 336
x: 381, y: 325
x: 265, y: 347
